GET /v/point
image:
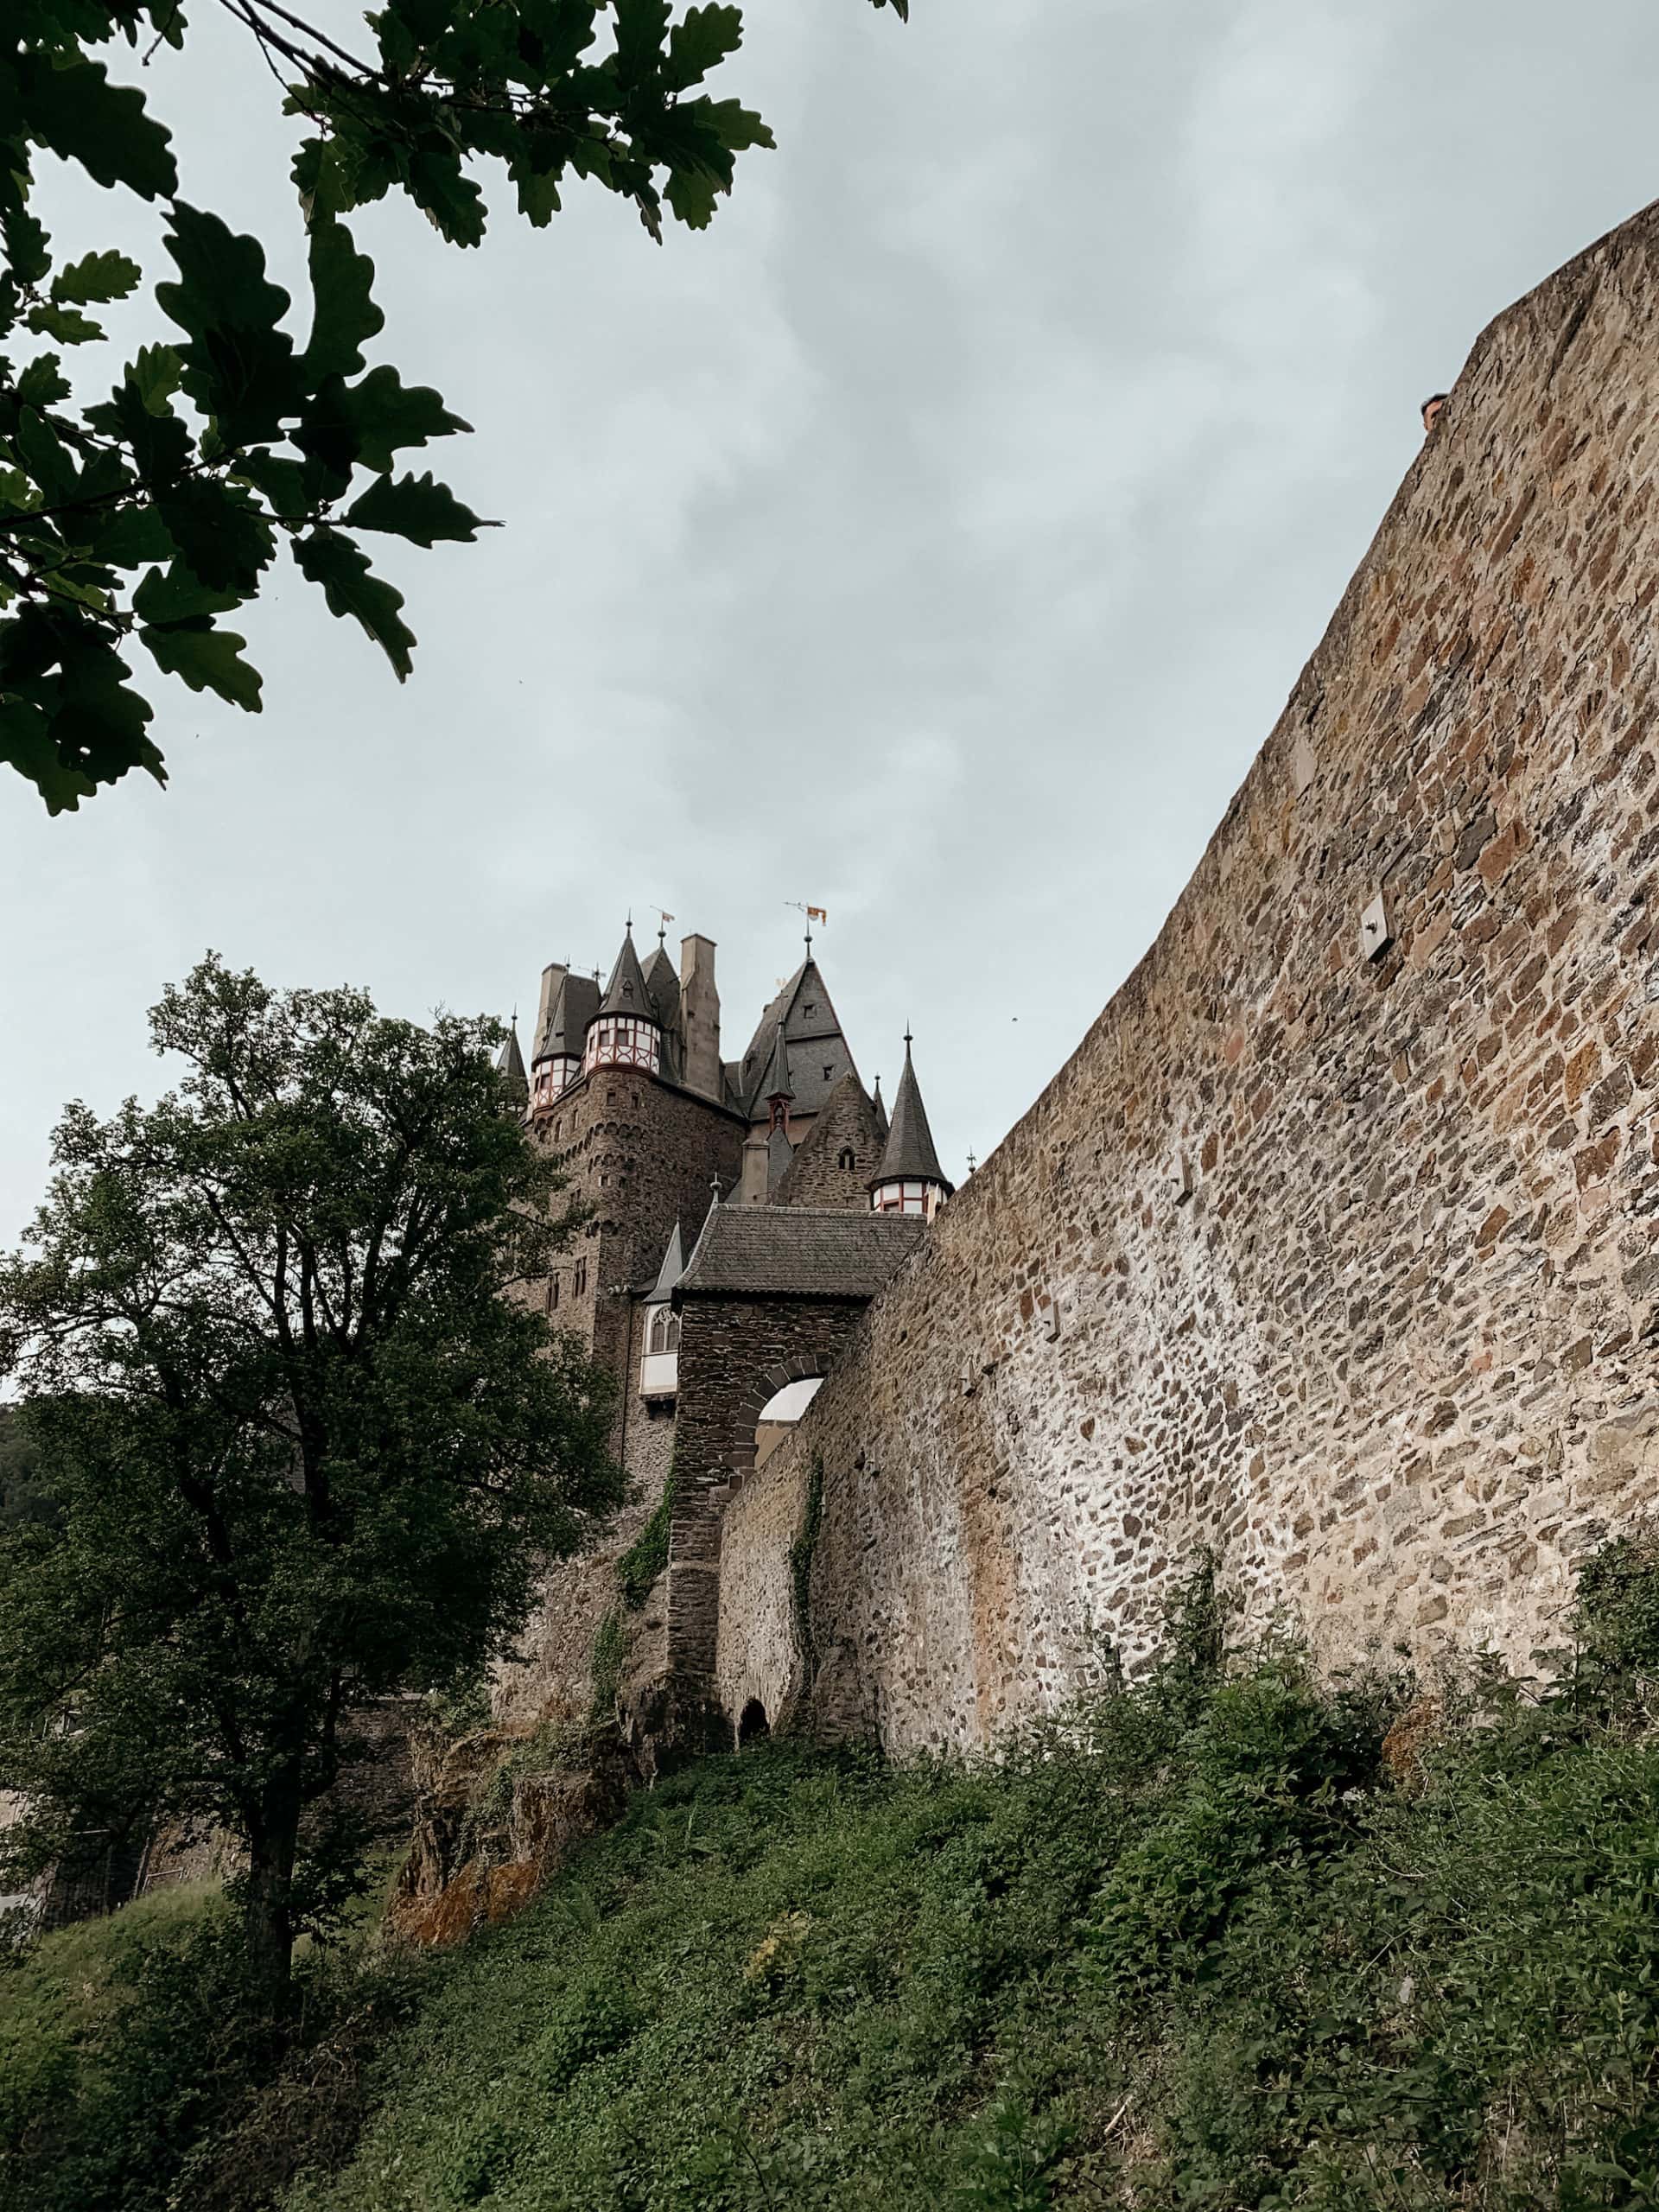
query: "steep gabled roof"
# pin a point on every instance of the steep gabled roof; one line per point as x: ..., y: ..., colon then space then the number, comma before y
x: 662, y: 988
x: 847, y: 1122
x: 798, y: 1251
x: 910, y: 1155
x: 626, y: 993
x: 574, y: 1007
x: 815, y: 1053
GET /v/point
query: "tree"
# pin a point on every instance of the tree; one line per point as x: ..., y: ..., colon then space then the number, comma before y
x: 148, y: 516
x: 21, y: 1498
x: 304, y: 1448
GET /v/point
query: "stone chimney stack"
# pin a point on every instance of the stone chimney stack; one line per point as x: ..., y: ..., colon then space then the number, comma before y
x: 700, y: 1012
x: 552, y: 975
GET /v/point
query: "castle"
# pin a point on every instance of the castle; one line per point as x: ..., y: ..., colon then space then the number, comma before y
x: 774, y: 1188
x: 1333, y: 1248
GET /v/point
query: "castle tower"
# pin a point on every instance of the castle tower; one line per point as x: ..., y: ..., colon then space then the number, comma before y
x: 627, y: 1030
x: 569, y: 1004
x: 910, y: 1178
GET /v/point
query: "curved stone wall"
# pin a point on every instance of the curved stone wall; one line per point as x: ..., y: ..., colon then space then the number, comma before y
x: 1334, y: 1245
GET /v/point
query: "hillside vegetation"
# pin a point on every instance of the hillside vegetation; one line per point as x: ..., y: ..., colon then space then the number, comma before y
x: 1225, y: 1939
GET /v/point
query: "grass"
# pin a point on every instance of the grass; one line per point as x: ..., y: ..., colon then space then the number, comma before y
x: 1200, y: 1945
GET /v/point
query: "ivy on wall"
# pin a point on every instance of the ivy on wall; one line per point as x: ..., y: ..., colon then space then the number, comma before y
x: 647, y: 1556
x: 800, y: 1567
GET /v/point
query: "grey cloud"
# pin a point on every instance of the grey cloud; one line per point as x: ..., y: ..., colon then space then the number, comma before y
x: 936, y: 539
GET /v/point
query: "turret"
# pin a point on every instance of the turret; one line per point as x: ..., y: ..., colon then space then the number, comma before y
x: 510, y: 1066
x: 625, y: 1033
x: 569, y: 1004
x: 910, y: 1178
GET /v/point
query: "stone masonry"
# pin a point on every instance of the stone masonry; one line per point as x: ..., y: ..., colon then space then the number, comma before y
x: 1334, y: 1246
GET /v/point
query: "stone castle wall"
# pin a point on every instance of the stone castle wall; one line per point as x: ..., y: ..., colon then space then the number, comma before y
x: 1332, y: 1249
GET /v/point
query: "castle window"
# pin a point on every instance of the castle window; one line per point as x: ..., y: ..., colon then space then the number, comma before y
x: 582, y: 1277
x: 623, y: 1042
x: 828, y: 1073
x: 849, y: 1160
x: 553, y: 1294
x: 903, y: 1197
x: 659, y: 1367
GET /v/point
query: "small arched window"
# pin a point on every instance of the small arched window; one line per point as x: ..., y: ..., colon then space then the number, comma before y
x: 849, y: 1160
x: 665, y: 1332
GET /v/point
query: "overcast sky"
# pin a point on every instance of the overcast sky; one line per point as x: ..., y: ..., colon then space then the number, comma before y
x: 934, y: 540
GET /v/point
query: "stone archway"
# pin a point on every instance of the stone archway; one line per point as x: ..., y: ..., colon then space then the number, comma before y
x: 737, y: 1353
x: 771, y: 1383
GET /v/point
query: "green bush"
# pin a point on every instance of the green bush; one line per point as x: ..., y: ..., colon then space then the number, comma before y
x: 1187, y: 1946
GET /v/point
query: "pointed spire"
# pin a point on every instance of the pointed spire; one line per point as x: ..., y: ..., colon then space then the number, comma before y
x: 880, y: 1104
x: 626, y: 993
x: 910, y: 1156
x: 510, y: 1066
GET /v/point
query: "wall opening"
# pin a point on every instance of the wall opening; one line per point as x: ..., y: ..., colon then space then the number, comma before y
x: 754, y: 1727
x: 779, y: 1414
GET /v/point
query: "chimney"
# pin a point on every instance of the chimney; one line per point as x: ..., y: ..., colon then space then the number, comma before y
x: 552, y: 975
x: 700, y: 1012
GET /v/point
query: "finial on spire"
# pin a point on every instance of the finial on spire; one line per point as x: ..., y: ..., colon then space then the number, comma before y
x: 972, y: 1163
x: 628, y: 924
x: 909, y: 1040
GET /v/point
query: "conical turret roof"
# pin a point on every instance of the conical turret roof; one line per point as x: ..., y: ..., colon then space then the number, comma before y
x: 910, y: 1155
x: 627, y: 993
x: 510, y: 1066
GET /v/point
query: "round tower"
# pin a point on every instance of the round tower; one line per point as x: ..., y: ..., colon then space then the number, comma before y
x: 626, y: 1032
x: 910, y: 1178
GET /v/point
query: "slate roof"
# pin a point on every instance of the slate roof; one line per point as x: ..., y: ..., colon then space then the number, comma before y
x: 802, y: 1024
x: 626, y: 993
x: 910, y: 1153
x: 510, y: 1065
x: 662, y: 988
x: 574, y: 1007
x: 672, y: 1269
x: 798, y: 1251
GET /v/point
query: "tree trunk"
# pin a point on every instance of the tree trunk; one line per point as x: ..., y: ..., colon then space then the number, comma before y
x: 268, y: 1917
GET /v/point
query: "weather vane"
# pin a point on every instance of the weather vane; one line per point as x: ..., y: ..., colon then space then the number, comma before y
x: 813, y: 914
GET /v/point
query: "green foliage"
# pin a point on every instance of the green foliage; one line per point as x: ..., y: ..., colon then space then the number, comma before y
x: 610, y: 1650
x: 647, y: 1556
x: 1615, y: 1622
x: 800, y: 1565
x: 136, y: 2074
x: 23, y: 1494
x: 304, y: 1453
x: 276, y: 441
x: 816, y: 1981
